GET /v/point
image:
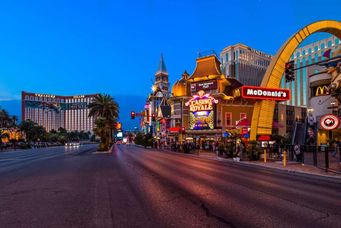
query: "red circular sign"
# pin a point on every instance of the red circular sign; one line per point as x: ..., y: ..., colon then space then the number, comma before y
x: 329, y: 122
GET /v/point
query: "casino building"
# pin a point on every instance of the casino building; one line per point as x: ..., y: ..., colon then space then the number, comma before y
x: 54, y: 111
x: 204, y: 105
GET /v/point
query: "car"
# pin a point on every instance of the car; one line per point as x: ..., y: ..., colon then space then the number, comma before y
x: 72, y: 144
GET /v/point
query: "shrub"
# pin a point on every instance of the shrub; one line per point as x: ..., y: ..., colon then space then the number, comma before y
x: 102, y: 147
x: 253, y: 150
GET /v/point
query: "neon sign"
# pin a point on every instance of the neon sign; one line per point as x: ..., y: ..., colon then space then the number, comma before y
x: 201, y: 102
x: 263, y: 93
x: 201, y: 108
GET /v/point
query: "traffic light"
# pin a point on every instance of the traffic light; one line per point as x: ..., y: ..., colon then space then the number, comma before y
x: 153, y: 117
x: 118, y: 125
x: 290, y: 71
x: 132, y: 115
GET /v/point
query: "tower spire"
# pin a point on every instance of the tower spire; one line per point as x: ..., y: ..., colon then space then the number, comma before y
x: 162, y: 66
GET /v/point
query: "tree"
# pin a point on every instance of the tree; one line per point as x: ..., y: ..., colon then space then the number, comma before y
x: 102, y: 129
x: 104, y: 109
x: 32, y: 131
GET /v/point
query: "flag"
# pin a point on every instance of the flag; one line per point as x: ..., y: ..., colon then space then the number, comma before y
x: 327, y: 53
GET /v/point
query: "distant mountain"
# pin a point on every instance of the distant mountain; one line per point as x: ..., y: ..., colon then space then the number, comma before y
x: 127, y: 104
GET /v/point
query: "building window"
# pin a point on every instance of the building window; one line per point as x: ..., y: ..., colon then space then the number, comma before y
x: 228, y: 119
x: 329, y: 43
x: 337, y: 41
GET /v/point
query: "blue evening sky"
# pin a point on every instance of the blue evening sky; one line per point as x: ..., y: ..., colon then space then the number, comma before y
x: 72, y: 47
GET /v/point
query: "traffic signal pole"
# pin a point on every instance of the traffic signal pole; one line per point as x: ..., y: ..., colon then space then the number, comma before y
x: 322, y: 61
x: 289, y: 67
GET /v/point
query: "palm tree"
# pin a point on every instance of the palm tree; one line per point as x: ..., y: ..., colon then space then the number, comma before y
x: 105, y: 107
x: 103, y: 130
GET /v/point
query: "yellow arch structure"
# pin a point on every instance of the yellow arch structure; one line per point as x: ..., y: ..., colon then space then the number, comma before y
x: 263, y: 111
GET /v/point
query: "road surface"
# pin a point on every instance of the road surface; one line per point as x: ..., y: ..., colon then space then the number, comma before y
x: 135, y: 187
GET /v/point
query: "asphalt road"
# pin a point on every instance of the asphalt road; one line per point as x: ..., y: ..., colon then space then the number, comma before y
x: 134, y: 187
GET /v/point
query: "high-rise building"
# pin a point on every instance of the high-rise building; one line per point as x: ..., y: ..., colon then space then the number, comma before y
x: 309, y: 90
x: 303, y: 56
x: 244, y: 63
x: 53, y: 111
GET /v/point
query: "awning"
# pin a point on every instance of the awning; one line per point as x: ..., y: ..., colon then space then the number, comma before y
x: 243, y: 123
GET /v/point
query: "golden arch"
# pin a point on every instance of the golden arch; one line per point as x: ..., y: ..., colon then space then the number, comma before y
x: 321, y: 90
x: 263, y: 111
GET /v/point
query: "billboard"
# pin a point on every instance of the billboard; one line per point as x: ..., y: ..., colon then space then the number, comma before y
x: 207, y: 85
x: 263, y: 93
x: 201, y: 109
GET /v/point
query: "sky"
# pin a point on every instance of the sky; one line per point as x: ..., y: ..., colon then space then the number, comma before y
x: 89, y: 46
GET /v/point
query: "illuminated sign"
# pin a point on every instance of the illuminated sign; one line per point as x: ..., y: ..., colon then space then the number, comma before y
x: 321, y: 90
x: 44, y: 95
x: 80, y: 96
x: 329, y: 122
x: 264, y: 93
x: 208, y: 85
x: 201, y: 108
x: 201, y: 102
x: 264, y: 138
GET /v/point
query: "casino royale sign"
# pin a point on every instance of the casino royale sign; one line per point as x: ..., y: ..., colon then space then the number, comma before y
x: 263, y: 93
x: 201, y: 107
x: 201, y: 102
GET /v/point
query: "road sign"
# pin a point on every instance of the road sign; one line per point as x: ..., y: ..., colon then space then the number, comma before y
x: 329, y: 122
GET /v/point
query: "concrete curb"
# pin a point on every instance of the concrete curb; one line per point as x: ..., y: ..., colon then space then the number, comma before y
x: 105, y: 152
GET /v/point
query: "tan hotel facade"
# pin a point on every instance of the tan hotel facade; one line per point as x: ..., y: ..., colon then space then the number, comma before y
x: 54, y: 111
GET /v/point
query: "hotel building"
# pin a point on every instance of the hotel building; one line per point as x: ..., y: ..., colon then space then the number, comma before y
x: 303, y: 56
x: 244, y: 63
x: 53, y: 111
x: 310, y: 88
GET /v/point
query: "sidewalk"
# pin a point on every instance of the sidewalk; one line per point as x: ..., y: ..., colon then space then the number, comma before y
x: 292, y: 167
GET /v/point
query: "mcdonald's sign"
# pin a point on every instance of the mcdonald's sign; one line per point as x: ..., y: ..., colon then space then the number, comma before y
x: 321, y: 90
